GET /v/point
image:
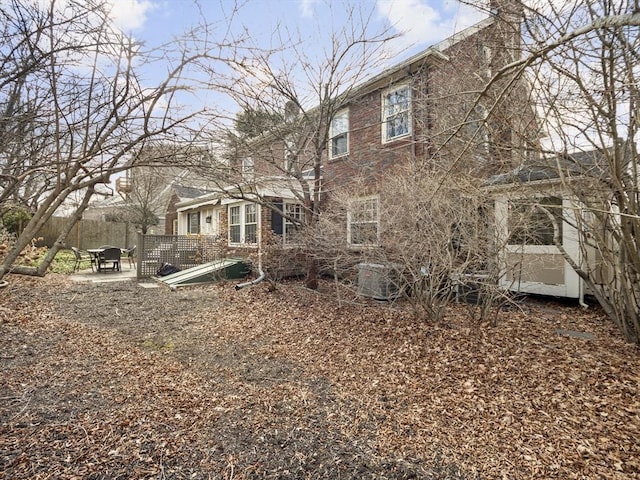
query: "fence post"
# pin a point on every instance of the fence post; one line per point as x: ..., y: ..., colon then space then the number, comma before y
x: 140, y: 250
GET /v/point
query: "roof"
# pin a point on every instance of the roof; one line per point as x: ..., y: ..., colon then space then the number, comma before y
x: 435, y: 52
x: 189, y: 192
x: 588, y: 163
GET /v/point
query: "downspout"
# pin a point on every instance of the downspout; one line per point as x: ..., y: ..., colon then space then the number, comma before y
x: 261, y: 274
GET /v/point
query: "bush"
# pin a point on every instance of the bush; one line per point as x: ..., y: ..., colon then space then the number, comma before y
x: 15, y: 219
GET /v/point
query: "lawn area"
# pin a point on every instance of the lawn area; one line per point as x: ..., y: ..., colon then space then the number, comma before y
x: 118, y: 381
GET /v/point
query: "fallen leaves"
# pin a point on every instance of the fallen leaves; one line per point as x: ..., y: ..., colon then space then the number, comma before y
x: 289, y: 384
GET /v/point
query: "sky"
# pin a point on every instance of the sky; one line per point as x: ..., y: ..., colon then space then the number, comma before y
x: 423, y: 22
x: 420, y: 23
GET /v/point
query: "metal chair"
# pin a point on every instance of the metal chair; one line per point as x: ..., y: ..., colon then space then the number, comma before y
x: 81, y: 257
x: 109, y: 256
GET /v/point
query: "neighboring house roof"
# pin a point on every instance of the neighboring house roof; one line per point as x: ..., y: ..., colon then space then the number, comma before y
x: 185, y: 192
x: 115, y: 201
x: 274, y: 186
x: 588, y: 163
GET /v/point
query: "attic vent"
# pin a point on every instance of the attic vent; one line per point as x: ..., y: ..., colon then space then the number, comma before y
x: 378, y: 281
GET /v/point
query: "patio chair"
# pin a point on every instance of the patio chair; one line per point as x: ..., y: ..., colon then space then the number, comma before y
x: 109, y: 256
x: 131, y: 256
x: 82, y: 257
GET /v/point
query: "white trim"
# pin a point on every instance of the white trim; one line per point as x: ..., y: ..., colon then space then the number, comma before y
x: 352, y: 204
x: 384, y: 117
x: 572, y: 283
x: 302, y: 212
x: 242, y: 211
x: 344, y: 111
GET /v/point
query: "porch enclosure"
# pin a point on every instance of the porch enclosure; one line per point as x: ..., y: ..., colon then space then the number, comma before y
x: 182, y: 251
x: 530, y: 262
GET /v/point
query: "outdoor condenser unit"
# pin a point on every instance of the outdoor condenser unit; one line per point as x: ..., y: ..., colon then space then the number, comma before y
x: 378, y: 281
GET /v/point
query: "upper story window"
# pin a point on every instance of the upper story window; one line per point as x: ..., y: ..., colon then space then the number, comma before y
x: 248, y: 169
x: 290, y: 154
x: 339, y: 134
x: 363, y: 222
x: 396, y: 121
x: 292, y: 222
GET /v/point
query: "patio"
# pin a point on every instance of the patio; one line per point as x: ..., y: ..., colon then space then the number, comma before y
x: 90, y: 276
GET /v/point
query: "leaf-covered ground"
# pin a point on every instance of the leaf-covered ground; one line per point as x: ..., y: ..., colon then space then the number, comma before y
x: 116, y: 381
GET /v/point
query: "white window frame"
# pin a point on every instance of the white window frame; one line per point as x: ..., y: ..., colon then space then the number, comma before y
x: 336, y: 132
x: 294, y: 210
x: 290, y: 154
x: 398, y: 110
x: 235, y: 221
x: 539, y: 222
x: 250, y: 227
x: 191, y: 215
x: 353, y: 219
x: 244, y: 222
x: 248, y: 168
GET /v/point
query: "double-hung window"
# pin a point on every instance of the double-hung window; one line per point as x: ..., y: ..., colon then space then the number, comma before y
x: 250, y: 223
x: 294, y: 218
x: 234, y: 224
x: 396, y: 119
x: 243, y: 224
x: 363, y: 222
x: 248, y: 168
x: 339, y: 134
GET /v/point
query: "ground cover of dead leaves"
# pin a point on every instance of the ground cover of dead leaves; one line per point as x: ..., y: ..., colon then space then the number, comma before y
x: 514, y: 401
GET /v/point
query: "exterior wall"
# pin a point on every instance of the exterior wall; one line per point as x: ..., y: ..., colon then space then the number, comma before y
x: 439, y: 107
x: 171, y: 214
x: 368, y: 156
x: 512, y: 125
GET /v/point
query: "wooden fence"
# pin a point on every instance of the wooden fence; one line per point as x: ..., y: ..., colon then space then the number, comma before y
x: 89, y: 233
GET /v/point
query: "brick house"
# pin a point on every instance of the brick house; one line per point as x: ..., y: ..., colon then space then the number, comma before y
x: 419, y: 110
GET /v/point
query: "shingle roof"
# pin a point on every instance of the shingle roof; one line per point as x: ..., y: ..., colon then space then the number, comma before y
x: 588, y: 163
x: 189, y: 192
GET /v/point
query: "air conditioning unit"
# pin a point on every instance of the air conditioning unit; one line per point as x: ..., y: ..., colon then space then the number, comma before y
x: 377, y: 281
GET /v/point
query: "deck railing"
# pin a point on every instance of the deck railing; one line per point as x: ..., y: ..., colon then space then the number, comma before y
x: 182, y: 251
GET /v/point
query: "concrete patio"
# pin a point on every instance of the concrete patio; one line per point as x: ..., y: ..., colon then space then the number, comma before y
x: 90, y: 276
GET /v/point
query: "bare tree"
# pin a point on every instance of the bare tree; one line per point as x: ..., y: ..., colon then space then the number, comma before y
x: 295, y: 99
x: 581, y: 59
x: 74, y: 109
x: 432, y: 248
